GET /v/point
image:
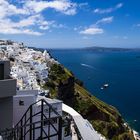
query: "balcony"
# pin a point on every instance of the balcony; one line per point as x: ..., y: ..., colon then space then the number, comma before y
x: 7, y: 88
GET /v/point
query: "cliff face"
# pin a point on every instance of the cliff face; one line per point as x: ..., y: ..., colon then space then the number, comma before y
x: 65, y: 91
x: 105, y: 118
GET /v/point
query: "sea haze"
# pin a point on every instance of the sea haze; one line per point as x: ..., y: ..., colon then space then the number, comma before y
x: 120, y: 69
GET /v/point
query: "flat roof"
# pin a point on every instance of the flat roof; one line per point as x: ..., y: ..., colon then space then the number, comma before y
x: 30, y: 95
x: 27, y: 92
x: 48, y: 100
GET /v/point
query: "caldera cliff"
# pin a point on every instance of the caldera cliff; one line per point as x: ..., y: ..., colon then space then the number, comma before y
x: 105, y: 118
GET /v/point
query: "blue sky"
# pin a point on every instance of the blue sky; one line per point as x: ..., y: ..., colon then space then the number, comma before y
x: 71, y: 23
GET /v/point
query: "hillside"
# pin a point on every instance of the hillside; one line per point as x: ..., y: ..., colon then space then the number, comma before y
x: 41, y: 71
x: 105, y: 118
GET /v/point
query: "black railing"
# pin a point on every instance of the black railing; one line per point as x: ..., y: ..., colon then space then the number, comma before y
x: 39, y: 122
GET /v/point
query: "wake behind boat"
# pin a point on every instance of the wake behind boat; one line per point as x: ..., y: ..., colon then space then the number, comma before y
x: 86, y: 65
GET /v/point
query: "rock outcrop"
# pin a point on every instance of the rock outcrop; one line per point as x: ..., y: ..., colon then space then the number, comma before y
x: 104, y: 118
x: 65, y: 91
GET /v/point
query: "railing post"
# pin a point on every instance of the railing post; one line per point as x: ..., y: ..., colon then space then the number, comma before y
x: 33, y: 131
x: 31, y: 122
x: 21, y: 129
x: 60, y: 129
x: 24, y: 127
x: 15, y: 134
x: 49, y: 123
x: 41, y: 130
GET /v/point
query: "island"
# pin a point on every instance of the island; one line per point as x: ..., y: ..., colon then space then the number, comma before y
x: 42, y: 72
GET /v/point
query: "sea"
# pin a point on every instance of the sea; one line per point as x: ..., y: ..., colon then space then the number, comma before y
x: 119, y: 69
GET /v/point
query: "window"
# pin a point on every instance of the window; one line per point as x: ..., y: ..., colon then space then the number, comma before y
x: 21, y: 103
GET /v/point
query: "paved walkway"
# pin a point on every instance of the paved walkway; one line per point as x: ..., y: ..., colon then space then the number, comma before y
x: 86, y: 130
x: 74, y: 134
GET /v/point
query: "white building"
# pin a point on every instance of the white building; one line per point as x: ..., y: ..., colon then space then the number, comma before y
x: 52, y: 110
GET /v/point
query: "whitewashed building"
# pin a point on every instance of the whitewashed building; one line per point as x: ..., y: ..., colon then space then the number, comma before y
x: 52, y: 111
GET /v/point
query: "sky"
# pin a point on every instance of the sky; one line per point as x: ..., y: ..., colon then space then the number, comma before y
x: 71, y: 23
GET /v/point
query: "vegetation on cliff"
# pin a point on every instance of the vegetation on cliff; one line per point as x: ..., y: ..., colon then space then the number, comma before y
x: 104, y: 118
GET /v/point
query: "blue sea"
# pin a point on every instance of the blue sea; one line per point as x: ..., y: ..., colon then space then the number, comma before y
x: 121, y: 70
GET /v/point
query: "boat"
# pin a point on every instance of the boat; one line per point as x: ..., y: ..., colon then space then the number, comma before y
x: 106, y: 85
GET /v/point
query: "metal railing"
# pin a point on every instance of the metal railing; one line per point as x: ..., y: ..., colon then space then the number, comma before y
x: 30, y: 128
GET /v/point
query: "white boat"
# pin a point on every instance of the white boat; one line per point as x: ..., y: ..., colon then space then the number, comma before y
x: 106, y: 85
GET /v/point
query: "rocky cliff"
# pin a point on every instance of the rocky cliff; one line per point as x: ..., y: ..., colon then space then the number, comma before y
x: 104, y: 118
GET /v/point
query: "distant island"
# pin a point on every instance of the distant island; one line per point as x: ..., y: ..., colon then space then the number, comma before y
x: 94, y: 48
x: 102, y: 49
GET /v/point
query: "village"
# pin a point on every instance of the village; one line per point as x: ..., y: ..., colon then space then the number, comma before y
x: 27, y: 65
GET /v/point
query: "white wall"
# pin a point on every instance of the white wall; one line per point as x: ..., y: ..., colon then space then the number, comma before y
x: 19, y: 110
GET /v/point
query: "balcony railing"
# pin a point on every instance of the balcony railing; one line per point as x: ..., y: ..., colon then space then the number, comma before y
x: 28, y: 128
